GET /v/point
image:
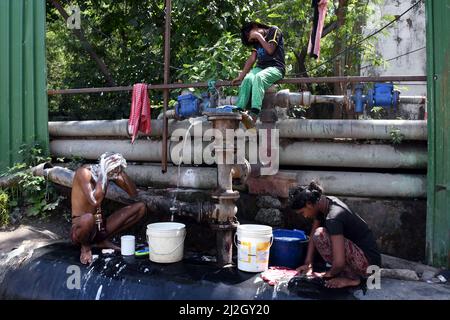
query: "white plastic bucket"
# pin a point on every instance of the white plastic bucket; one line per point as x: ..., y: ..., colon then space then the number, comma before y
x: 253, y: 243
x: 166, y: 241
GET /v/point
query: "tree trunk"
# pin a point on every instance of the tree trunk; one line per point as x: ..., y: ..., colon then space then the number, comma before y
x: 87, y: 46
x: 300, y: 66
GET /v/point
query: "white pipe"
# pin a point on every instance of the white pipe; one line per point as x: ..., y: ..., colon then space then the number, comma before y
x: 352, y: 129
x: 357, y: 184
x: 290, y: 128
x: 296, y: 153
x: 331, y: 154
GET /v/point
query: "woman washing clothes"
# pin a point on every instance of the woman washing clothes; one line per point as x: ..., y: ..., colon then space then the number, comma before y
x: 339, y: 235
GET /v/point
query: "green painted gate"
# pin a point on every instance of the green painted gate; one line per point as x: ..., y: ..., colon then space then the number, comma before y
x: 23, y: 77
x: 438, y: 193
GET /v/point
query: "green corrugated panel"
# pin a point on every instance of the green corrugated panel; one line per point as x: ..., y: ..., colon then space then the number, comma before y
x: 438, y: 207
x: 23, y: 77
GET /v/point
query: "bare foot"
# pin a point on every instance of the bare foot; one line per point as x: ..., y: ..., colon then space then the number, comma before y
x: 106, y: 244
x: 342, y: 282
x: 86, y: 255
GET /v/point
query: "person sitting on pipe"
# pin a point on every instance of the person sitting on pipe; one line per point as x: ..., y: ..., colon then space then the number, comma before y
x: 268, y: 51
x: 89, y: 226
x: 339, y: 235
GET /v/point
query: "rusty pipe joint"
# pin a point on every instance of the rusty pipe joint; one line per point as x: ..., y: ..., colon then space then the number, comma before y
x: 224, y: 212
x: 287, y: 99
x: 241, y: 172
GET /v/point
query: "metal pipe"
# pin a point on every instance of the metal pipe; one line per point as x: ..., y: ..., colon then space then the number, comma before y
x: 413, y: 99
x: 357, y: 184
x: 295, y: 153
x: 166, y: 81
x: 356, y: 79
x: 91, y: 128
x: 290, y: 128
x: 365, y: 184
x: 189, y: 177
x: 352, y: 129
x: 329, y: 154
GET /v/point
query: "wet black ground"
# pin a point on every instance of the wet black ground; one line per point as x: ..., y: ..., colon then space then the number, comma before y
x: 52, y: 272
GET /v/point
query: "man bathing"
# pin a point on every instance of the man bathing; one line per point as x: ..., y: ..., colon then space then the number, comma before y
x: 89, y: 226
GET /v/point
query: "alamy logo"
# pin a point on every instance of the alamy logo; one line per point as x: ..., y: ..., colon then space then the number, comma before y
x: 74, y: 20
x: 74, y: 279
x: 206, y: 147
x: 374, y: 280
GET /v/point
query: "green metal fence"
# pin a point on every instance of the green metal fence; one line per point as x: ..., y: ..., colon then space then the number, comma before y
x: 438, y: 193
x: 23, y: 77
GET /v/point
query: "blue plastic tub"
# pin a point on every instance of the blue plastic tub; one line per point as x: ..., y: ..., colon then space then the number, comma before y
x: 288, y: 249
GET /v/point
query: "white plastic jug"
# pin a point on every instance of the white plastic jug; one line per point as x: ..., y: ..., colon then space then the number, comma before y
x: 253, y: 243
x: 166, y: 241
x: 127, y: 245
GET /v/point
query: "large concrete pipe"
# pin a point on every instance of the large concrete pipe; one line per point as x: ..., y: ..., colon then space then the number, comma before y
x: 365, y: 184
x: 329, y: 154
x: 357, y: 184
x: 183, y: 177
x: 291, y: 128
x: 292, y: 153
x: 352, y: 129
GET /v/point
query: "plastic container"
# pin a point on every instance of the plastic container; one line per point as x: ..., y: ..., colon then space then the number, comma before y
x: 127, y: 245
x: 253, y: 242
x: 166, y: 241
x: 289, y: 248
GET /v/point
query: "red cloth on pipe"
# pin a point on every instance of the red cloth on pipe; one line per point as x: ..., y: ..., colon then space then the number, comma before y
x: 140, y: 116
x: 320, y: 12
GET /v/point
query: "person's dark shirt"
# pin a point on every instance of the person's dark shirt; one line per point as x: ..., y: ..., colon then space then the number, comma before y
x: 264, y: 60
x: 340, y: 220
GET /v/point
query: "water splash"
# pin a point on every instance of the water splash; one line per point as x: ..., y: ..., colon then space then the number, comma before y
x: 99, y: 292
x: 193, y: 122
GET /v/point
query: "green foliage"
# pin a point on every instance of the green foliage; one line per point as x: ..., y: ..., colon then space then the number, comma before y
x: 32, y: 154
x: 4, y: 208
x: 396, y: 136
x: 217, y: 62
x: 377, y: 113
x: 33, y: 194
x: 129, y: 37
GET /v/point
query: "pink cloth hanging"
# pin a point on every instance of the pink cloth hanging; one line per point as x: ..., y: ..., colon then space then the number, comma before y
x: 320, y: 12
x: 140, y: 116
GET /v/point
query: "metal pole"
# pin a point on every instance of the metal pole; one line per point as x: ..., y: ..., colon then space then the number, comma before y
x: 228, y: 83
x: 166, y: 81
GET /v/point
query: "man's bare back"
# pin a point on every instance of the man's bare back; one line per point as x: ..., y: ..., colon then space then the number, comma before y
x: 80, y: 204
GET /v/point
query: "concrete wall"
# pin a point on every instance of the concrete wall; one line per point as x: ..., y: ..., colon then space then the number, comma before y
x: 406, y: 35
